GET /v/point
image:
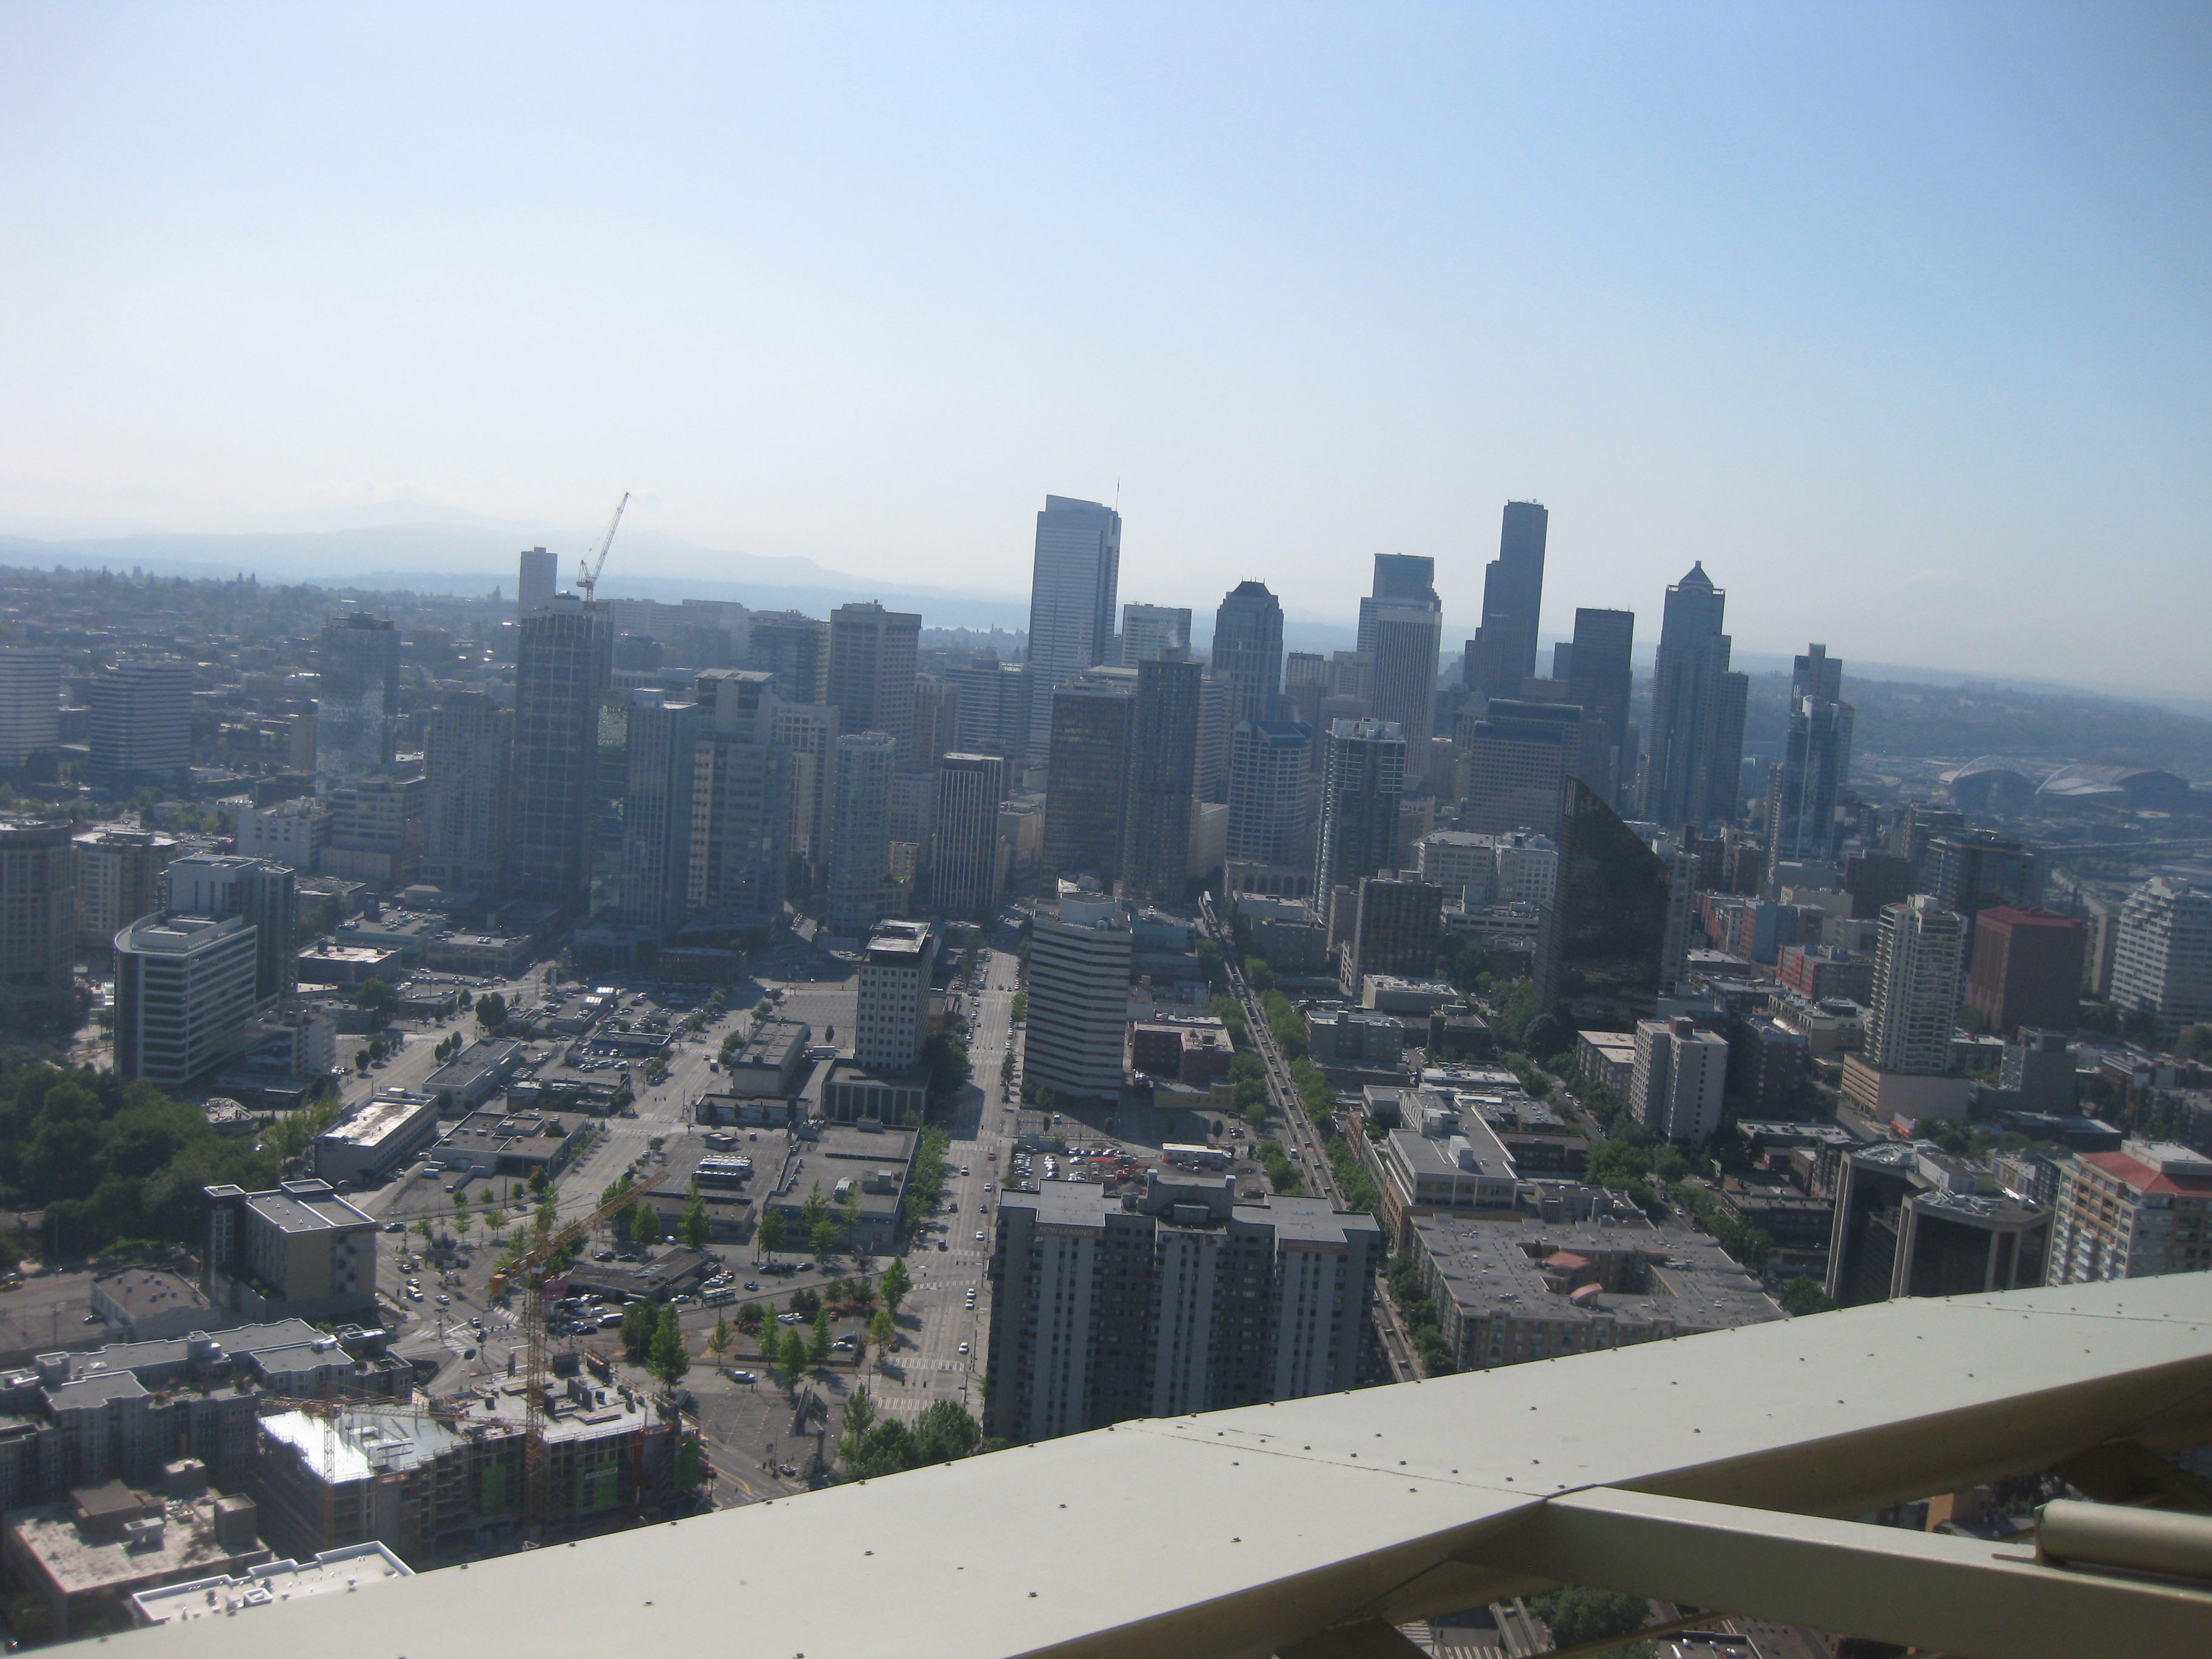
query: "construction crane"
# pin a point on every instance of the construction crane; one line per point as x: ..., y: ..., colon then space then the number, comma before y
x: 532, y: 1267
x: 587, y: 575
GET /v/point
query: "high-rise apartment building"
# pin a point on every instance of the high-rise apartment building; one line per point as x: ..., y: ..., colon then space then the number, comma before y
x: 794, y: 648
x: 467, y: 742
x: 862, y: 765
x: 871, y: 674
x: 1599, y: 679
x: 1682, y: 1074
x: 1268, y: 822
x: 30, y: 702
x: 2028, y: 969
x: 1162, y: 775
x: 663, y: 732
x: 38, y: 923
x: 357, y: 699
x: 264, y: 895
x: 964, y: 861
x: 893, y: 996
x: 294, y: 832
x: 2142, y: 1210
x: 118, y: 878
x: 741, y: 798
x: 2162, y: 959
x: 1151, y: 631
x: 1971, y: 871
x: 1517, y: 757
x: 1804, y: 791
x: 1092, y: 719
x: 141, y: 721
x: 560, y: 667
x: 1248, y: 651
x: 1919, y: 964
x: 806, y: 733
x: 537, y: 582
x: 1362, y: 778
x: 1695, y: 765
x: 1503, y: 653
x: 1072, y: 587
x: 1400, y: 631
x: 1079, y: 992
x: 1176, y: 1300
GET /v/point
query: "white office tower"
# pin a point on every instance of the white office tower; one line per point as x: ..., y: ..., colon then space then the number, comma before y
x: 1681, y: 1075
x: 964, y: 861
x: 1401, y: 634
x: 1918, y: 963
x: 892, y: 1013
x: 538, y: 581
x: 466, y: 744
x: 860, y: 832
x: 660, y: 747
x: 30, y: 702
x: 141, y: 720
x: 1363, y: 775
x: 183, y: 993
x: 1149, y: 632
x: 1528, y: 868
x: 1078, y: 990
x: 1072, y: 585
x: 264, y: 895
x: 806, y: 732
x: 2162, y: 961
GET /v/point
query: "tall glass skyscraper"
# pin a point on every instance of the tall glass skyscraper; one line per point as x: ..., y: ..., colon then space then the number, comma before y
x: 561, y: 664
x: 1695, y: 773
x: 1503, y: 653
x: 357, y: 702
x: 1248, y: 651
x: 1073, y: 586
x: 1363, y: 775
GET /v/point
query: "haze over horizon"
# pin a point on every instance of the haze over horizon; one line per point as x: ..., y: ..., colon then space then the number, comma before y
x: 1891, y: 318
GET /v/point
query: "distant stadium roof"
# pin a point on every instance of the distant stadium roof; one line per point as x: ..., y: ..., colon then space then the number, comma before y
x: 2140, y: 785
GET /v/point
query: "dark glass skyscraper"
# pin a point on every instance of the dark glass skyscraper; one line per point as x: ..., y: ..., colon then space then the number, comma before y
x: 1092, y: 719
x: 562, y: 664
x: 1162, y: 775
x: 1248, y: 651
x: 1503, y: 651
x: 358, y: 700
x: 1363, y: 777
x: 1816, y: 759
x: 1602, y: 680
x: 1602, y: 943
x: 1695, y: 771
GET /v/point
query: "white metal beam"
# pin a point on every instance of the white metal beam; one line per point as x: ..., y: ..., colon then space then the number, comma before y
x: 1930, y: 1590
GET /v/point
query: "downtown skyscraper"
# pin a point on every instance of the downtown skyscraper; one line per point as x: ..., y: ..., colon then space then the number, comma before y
x: 1694, y: 775
x: 871, y: 674
x: 1401, y: 631
x: 1363, y: 777
x: 1816, y: 761
x: 1162, y: 777
x: 1600, y: 682
x: 1073, y: 586
x: 1502, y: 652
x: 562, y: 666
x: 1247, y: 652
x: 357, y: 701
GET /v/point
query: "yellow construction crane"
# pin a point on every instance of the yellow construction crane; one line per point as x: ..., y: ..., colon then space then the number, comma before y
x: 587, y: 575
x: 531, y: 1267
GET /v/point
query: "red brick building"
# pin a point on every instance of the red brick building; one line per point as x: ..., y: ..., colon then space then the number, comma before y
x: 1819, y: 973
x: 2028, y: 969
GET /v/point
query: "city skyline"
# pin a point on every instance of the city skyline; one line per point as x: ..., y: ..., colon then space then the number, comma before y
x: 1892, y: 311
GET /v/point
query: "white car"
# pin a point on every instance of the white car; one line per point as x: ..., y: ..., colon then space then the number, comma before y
x: 964, y: 1347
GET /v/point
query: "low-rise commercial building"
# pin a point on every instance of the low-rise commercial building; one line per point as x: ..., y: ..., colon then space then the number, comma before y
x: 82, y: 1561
x: 356, y: 1567
x: 297, y: 1250
x: 1445, y: 1161
x: 477, y: 1073
x: 511, y: 1142
x: 146, y: 1304
x: 772, y: 1062
x: 853, y: 1093
x: 1521, y: 1289
x: 375, y: 1138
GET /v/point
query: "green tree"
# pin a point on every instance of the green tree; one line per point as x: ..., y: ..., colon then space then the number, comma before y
x: 818, y: 1340
x: 794, y: 1351
x: 886, y: 1448
x: 883, y: 1332
x: 376, y: 998
x: 814, y: 1211
x: 491, y: 1011
x: 670, y: 1358
x: 641, y: 1323
x: 854, y: 1423
x: 1579, y: 1615
x: 425, y: 1231
x: 770, y: 1234
x: 696, y: 1229
x: 895, y: 1283
x: 2195, y: 1043
x: 645, y: 1226
x: 1803, y: 1295
x: 944, y: 1431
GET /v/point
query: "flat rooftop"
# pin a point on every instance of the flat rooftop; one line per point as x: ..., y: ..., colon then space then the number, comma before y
x: 372, y: 1124
x: 355, y: 1567
x: 79, y: 1560
x: 305, y: 1211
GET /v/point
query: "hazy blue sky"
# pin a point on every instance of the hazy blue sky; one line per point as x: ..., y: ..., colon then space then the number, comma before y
x: 1895, y: 316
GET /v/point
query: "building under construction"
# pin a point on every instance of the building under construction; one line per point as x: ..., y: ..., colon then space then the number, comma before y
x: 437, y: 1481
